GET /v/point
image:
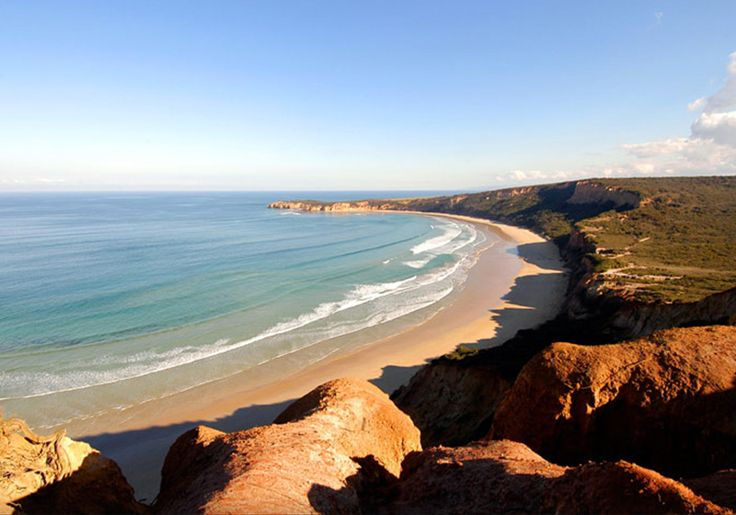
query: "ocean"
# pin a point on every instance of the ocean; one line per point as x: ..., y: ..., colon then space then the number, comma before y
x: 109, y: 300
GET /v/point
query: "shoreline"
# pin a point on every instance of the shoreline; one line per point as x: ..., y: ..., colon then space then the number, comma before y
x: 494, y: 302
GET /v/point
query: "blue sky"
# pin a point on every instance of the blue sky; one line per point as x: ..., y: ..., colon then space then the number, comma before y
x: 273, y: 95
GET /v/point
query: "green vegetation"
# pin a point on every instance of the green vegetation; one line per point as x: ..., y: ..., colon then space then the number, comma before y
x: 679, y: 244
x: 461, y: 352
x: 676, y: 243
x: 654, y: 239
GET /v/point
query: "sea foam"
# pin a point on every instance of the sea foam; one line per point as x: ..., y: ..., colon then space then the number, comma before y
x: 23, y: 385
x: 375, y: 271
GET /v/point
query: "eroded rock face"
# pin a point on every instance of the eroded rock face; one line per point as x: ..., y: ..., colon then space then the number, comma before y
x: 665, y: 402
x: 507, y: 477
x: 592, y: 192
x: 305, y: 463
x: 621, y: 487
x: 491, y: 477
x: 55, y: 474
x: 452, y: 403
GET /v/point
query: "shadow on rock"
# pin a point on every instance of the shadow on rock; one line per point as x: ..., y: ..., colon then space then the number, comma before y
x: 665, y: 402
x: 55, y: 474
x: 507, y: 477
x: 141, y: 452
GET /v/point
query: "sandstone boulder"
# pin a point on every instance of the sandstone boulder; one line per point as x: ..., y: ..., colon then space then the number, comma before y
x: 307, y: 462
x: 507, y: 477
x: 56, y: 474
x: 665, y: 401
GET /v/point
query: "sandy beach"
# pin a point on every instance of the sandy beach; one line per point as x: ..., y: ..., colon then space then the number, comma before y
x: 515, y: 284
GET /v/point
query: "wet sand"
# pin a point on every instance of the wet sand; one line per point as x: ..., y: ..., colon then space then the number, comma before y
x: 515, y: 284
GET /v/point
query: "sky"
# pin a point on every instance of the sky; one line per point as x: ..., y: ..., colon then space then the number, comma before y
x: 362, y: 95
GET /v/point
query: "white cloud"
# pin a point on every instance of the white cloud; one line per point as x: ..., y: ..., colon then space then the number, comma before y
x: 29, y: 180
x: 536, y: 176
x: 696, y: 104
x: 720, y: 127
x: 656, y: 148
x: 645, y: 168
x: 709, y: 149
x: 725, y: 98
x: 717, y: 122
x: 683, y: 155
x: 522, y: 175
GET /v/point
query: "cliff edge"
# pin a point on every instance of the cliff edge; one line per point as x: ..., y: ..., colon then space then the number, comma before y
x: 55, y: 474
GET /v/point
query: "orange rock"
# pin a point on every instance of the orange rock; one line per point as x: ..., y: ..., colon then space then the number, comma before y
x: 666, y: 401
x: 501, y: 476
x: 55, y: 474
x: 622, y: 487
x: 303, y: 464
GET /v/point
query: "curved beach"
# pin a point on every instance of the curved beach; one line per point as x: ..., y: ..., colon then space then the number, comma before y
x: 514, y: 285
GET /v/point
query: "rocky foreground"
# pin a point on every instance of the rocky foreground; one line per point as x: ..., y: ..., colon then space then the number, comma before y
x: 644, y: 426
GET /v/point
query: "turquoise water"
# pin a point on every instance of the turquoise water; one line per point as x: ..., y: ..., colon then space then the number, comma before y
x: 109, y: 300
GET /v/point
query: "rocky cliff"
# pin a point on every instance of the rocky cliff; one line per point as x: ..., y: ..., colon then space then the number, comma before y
x: 507, y: 477
x: 591, y: 192
x: 344, y: 448
x: 595, y: 299
x: 665, y: 402
x: 602, y: 305
x: 643, y: 255
x: 453, y: 401
x: 55, y: 474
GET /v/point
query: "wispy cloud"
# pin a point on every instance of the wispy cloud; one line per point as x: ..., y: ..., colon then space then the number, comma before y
x: 20, y: 181
x: 711, y: 146
x: 709, y: 149
x: 696, y: 104
x: 539, y: 175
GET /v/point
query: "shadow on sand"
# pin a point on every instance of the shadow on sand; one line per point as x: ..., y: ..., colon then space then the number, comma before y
x: 141, y: 452
x: 535, y: 298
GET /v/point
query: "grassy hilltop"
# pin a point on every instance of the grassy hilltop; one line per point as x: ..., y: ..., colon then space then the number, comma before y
x: 651, y: 239
x: 679, y: 243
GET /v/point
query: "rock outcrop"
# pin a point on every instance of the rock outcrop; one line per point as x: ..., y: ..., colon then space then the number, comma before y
x: 507, y: 477
x: 310, y: 461
x: 56, y: 474
x: 665, y: 402
x: 593, y: 192
x: 453, y: 402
